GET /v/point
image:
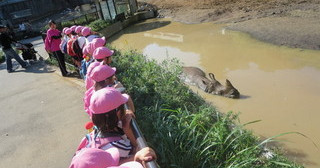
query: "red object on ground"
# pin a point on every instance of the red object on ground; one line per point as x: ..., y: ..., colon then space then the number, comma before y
x: 88, y: 125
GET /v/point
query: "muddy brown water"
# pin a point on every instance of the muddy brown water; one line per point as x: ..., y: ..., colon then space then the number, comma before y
x: 279, y: 86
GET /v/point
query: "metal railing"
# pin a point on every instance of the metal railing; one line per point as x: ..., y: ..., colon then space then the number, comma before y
x: 141, y: 142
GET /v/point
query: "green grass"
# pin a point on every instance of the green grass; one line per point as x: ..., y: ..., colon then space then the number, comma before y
x: 184, y: 130
x: 80, y: 20
x: 98, y: 25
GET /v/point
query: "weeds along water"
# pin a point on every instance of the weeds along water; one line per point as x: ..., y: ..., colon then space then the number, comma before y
x: 184, y: 130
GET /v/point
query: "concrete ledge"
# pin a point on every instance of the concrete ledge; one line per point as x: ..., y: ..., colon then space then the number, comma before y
x: 118, y: 26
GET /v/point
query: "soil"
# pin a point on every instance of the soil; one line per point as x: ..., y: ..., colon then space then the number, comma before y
x: 293, y: 23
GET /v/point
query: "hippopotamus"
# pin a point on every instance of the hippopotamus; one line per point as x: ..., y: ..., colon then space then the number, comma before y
x: 195, y: 76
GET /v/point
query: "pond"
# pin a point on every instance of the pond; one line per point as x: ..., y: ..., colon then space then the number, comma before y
x: 279, y: 86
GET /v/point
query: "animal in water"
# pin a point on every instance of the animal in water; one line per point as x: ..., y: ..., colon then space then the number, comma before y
x: 195, y: 76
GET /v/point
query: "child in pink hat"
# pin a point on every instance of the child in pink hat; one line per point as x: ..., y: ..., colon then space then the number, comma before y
x: 73, y: 28
x: 88, y: 81
x: 78, y: 29
x: 98, y: 74
x: 87, y: 51
x: 97, y: 158
x: 104, y: 76
x: 86, y: 31
x: 107, y: 107
x: 95, y: 43
x: 94, y: 158
x: 103, y: 54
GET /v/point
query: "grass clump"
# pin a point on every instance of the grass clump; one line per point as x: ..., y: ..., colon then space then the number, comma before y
x: 183, y: 129
x: 98, y: 24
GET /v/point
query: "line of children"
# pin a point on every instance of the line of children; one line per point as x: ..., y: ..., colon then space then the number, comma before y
x: 74, y: 41
x: 112, y: 143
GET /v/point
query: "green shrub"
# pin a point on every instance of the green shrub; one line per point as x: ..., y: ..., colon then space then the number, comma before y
x: 67, y: 24
x: 183, y: 129
x: 99, y: 25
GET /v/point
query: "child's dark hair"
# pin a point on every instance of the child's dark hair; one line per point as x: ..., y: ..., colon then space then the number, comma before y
x: 108, y: 122
x: 101, y: 84
x: 51, y: 22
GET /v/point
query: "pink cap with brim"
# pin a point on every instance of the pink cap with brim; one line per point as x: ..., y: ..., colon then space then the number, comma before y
x: 106, y: 100
x: 64, y: 30
x: 89, y: 82
x: 95, y: 43
x: 95, y: 158
x: 102, y: 52
x: 99, y: 42
x: 78, y: 29
x: 131, y: 164
x: 86, y: 31
x: 73, y: 28
x: 67, y: 31
x: 102, y: 72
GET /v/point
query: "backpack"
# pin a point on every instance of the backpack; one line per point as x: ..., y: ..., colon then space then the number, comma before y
x: 77, y: 49
x: 70, y: 50
x: 94, y: 142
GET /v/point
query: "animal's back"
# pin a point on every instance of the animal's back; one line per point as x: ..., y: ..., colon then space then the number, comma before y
x: 193, y: 71
x: 194, y: 76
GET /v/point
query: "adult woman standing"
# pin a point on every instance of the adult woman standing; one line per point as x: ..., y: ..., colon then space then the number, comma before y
x: 52, y: 45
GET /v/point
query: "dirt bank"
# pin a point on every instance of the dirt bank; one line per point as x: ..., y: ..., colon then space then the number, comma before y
x: 294, y: 23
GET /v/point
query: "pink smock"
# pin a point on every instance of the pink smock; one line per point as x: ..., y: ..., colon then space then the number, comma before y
x: 52, y: 44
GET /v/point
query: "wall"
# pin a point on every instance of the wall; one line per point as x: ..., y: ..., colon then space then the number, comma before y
x: 118, y: 26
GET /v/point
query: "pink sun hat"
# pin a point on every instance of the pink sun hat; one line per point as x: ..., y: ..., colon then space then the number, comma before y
x: 95, y: 158
x: 106, y: 100
x: 89, y: 82
x: 73, y: 28
x: 95, y: 43
x: 99, y: 41
x: 102, y: 52
x: 131, y: 164
x: 78, y: 29
x: 64, y: 30
x: 86, y: 31
x: 102, y: 72
x: 67, y: 31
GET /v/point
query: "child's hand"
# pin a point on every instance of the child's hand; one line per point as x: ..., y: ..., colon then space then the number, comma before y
x: 118, y: 85
x: 145, y: 154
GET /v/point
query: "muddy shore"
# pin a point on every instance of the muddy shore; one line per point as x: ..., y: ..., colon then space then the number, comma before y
x: 294, y: 23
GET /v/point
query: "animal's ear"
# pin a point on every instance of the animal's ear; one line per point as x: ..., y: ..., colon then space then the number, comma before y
x: 228, y: 84
x: 212, y: 77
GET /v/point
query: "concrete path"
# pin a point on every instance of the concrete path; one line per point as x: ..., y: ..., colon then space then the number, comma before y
x: 41, y: 116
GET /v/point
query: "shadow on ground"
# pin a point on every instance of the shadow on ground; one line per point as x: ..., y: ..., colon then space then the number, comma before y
x: 35, y: 67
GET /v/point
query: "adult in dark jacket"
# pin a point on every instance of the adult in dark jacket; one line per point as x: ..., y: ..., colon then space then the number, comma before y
x: 6, y: 41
